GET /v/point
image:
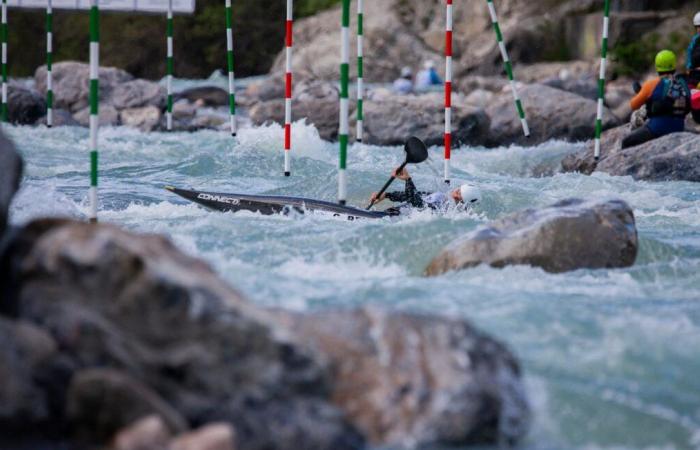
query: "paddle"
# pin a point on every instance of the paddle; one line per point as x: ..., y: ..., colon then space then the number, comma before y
x: 416, y: 152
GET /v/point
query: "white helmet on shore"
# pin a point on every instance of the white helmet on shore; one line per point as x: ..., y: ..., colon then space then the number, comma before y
x: 696, y: 20
x: 406, y: 72
x: 470, y: 194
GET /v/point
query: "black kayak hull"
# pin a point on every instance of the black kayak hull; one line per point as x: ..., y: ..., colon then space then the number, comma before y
x: 271, y: 204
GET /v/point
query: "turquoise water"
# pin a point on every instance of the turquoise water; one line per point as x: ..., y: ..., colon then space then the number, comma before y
x: 611, y: 357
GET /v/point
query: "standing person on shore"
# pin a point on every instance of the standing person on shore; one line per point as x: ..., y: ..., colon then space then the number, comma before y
x: 428, y: 77
x: 404, y: 84
x: 667, y: 98
x: 692, y: 63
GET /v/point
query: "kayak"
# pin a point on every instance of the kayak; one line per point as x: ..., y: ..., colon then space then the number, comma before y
x: 272, y: 204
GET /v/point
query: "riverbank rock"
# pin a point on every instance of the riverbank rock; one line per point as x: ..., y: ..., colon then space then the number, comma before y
x: 674, y: 157
x: 209, y: 95
x: 61, y: 118
x: 145, y: 118
x: 135, y: 304
x: 71, y: 81
x: 551, y: 113
x: 138, y: 94
x: 10, y: 176
x: 24, y: 106
x: 569, y: 235
x: 107, y: 116
x: 408, y: 380
x: 390, y: 118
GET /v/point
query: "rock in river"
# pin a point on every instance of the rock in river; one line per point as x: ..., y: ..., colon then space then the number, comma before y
x: 24, y: 106
x: 10, y: 175
x: 569, y: 235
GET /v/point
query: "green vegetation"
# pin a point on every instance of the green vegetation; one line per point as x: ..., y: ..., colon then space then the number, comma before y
x: 637, y: 57
x: 137, y: 42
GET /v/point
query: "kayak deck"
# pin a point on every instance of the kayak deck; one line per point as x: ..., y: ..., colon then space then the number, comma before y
x: 271, y: 204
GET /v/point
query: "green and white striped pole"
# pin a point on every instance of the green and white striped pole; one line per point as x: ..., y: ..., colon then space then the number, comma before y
x: 344, y: 106
x: 360, y: 70
x: 601, y: 81
x: 3, y: 32
x: 94, y: 103
x: 508, y: 67
x: 229, y: 58
x: 169, y: 67
x: 49, y: 62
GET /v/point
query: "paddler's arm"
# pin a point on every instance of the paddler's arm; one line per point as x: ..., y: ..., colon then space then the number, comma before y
x: 644, y: 95
x: 412, y: 195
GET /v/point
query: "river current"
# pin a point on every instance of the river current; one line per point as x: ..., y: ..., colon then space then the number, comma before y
x: 611, y: 357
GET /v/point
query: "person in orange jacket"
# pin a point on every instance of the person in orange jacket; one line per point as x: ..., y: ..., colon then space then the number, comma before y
x: 667, y: 98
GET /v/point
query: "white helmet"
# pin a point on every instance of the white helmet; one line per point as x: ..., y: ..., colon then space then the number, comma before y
x: 696, y: 20
x: 406, y: 72
x: 429, y: 64
x: 470, y: 194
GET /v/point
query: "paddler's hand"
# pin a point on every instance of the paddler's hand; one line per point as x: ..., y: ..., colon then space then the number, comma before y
x: 374, y: 199
x: 403, y: 175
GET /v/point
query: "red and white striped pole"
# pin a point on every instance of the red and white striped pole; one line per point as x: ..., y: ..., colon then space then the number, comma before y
x: 448, y: 88
x: 288, y: 90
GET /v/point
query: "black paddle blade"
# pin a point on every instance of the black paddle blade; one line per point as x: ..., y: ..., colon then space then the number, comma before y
x: 416, y: 151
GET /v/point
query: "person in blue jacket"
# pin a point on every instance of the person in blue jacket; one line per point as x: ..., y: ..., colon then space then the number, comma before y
x: 692, y: 61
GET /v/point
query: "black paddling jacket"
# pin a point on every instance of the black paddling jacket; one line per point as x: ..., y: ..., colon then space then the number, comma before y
x: 410, y: 195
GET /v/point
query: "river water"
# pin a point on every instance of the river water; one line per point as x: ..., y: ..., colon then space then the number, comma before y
x: 611, y: 357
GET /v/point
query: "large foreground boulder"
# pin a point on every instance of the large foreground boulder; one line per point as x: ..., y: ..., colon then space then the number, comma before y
x: 569, y: 235
x: 390, y: 118
x: 10, y: 175
x: 674, y: 157
x: 71, y: 82
x: 136, y: 304
x: 408, y: 380
x: 551, y: 113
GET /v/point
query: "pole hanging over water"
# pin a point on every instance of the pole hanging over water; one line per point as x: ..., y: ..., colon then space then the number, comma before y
x: 344, y: 106
x: 360, y: 70
x: 169, y: 66
x: 448, y: 88
x: 231, y: 77
x: 601, y: 81
x: 507, y: 63
x: 49, y: 63
x: 3, y: 32
x: 288, y: 43
x: 94, y: 102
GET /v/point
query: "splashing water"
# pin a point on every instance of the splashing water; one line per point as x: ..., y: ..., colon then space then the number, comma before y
x: 610, y: 356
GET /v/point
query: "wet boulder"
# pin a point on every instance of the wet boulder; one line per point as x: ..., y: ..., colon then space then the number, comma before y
x: 61, y: 118
x: 146, y: 118
x: 390, y: 118
x: 24, y: 106
x: 107, y: 114
x: 569, y: 235
x: 551, y: 113
x: 71, y: 82
x: 10, y: 176
x: 208, y: 95
x: 408, y: 380
x: 135, y: 304
x: 674, y: 157
x: 137, y: 94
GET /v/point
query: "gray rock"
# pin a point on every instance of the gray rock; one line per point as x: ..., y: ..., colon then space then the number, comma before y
x: 146, y: 118
x: 24, y: 106
x: 215, y: 436
x: 551, y: 114
x: 25, y: 351
x: 210, y: 95
x: 120, y: 400
x: 389, y: 119
x: 137, y: 94
x: 586, y: 87
x: 674, y: 157
x: 569, y: 235
x: 11, y: 174
x: 183, y: 109
x: 71, y: 82
x: 136, y: 304
x: 407, y: 380
x: 148, y: 433
x: 108, y: 116
x: 61, y: 118
x: 206, y: 121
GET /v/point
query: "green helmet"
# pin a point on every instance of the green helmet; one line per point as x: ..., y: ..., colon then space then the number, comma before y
x: 666, y: 61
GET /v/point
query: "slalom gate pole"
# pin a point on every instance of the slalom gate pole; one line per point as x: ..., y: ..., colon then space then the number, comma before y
x: 288, y: 43
x: 49, y: 63
x: 601, y: 81
x: 360, y: 70
x: 94, y: 103
x: 507, y: 63
x: 344, y: 106
x: 3, y: 32
x: 229, y: 59
x: 169, y: 66
x: 448, y: 88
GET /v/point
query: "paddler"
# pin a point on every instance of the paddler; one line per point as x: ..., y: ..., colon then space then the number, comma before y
x: 692, y: 63
x: 667, y: 98
x: 465, y: 194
